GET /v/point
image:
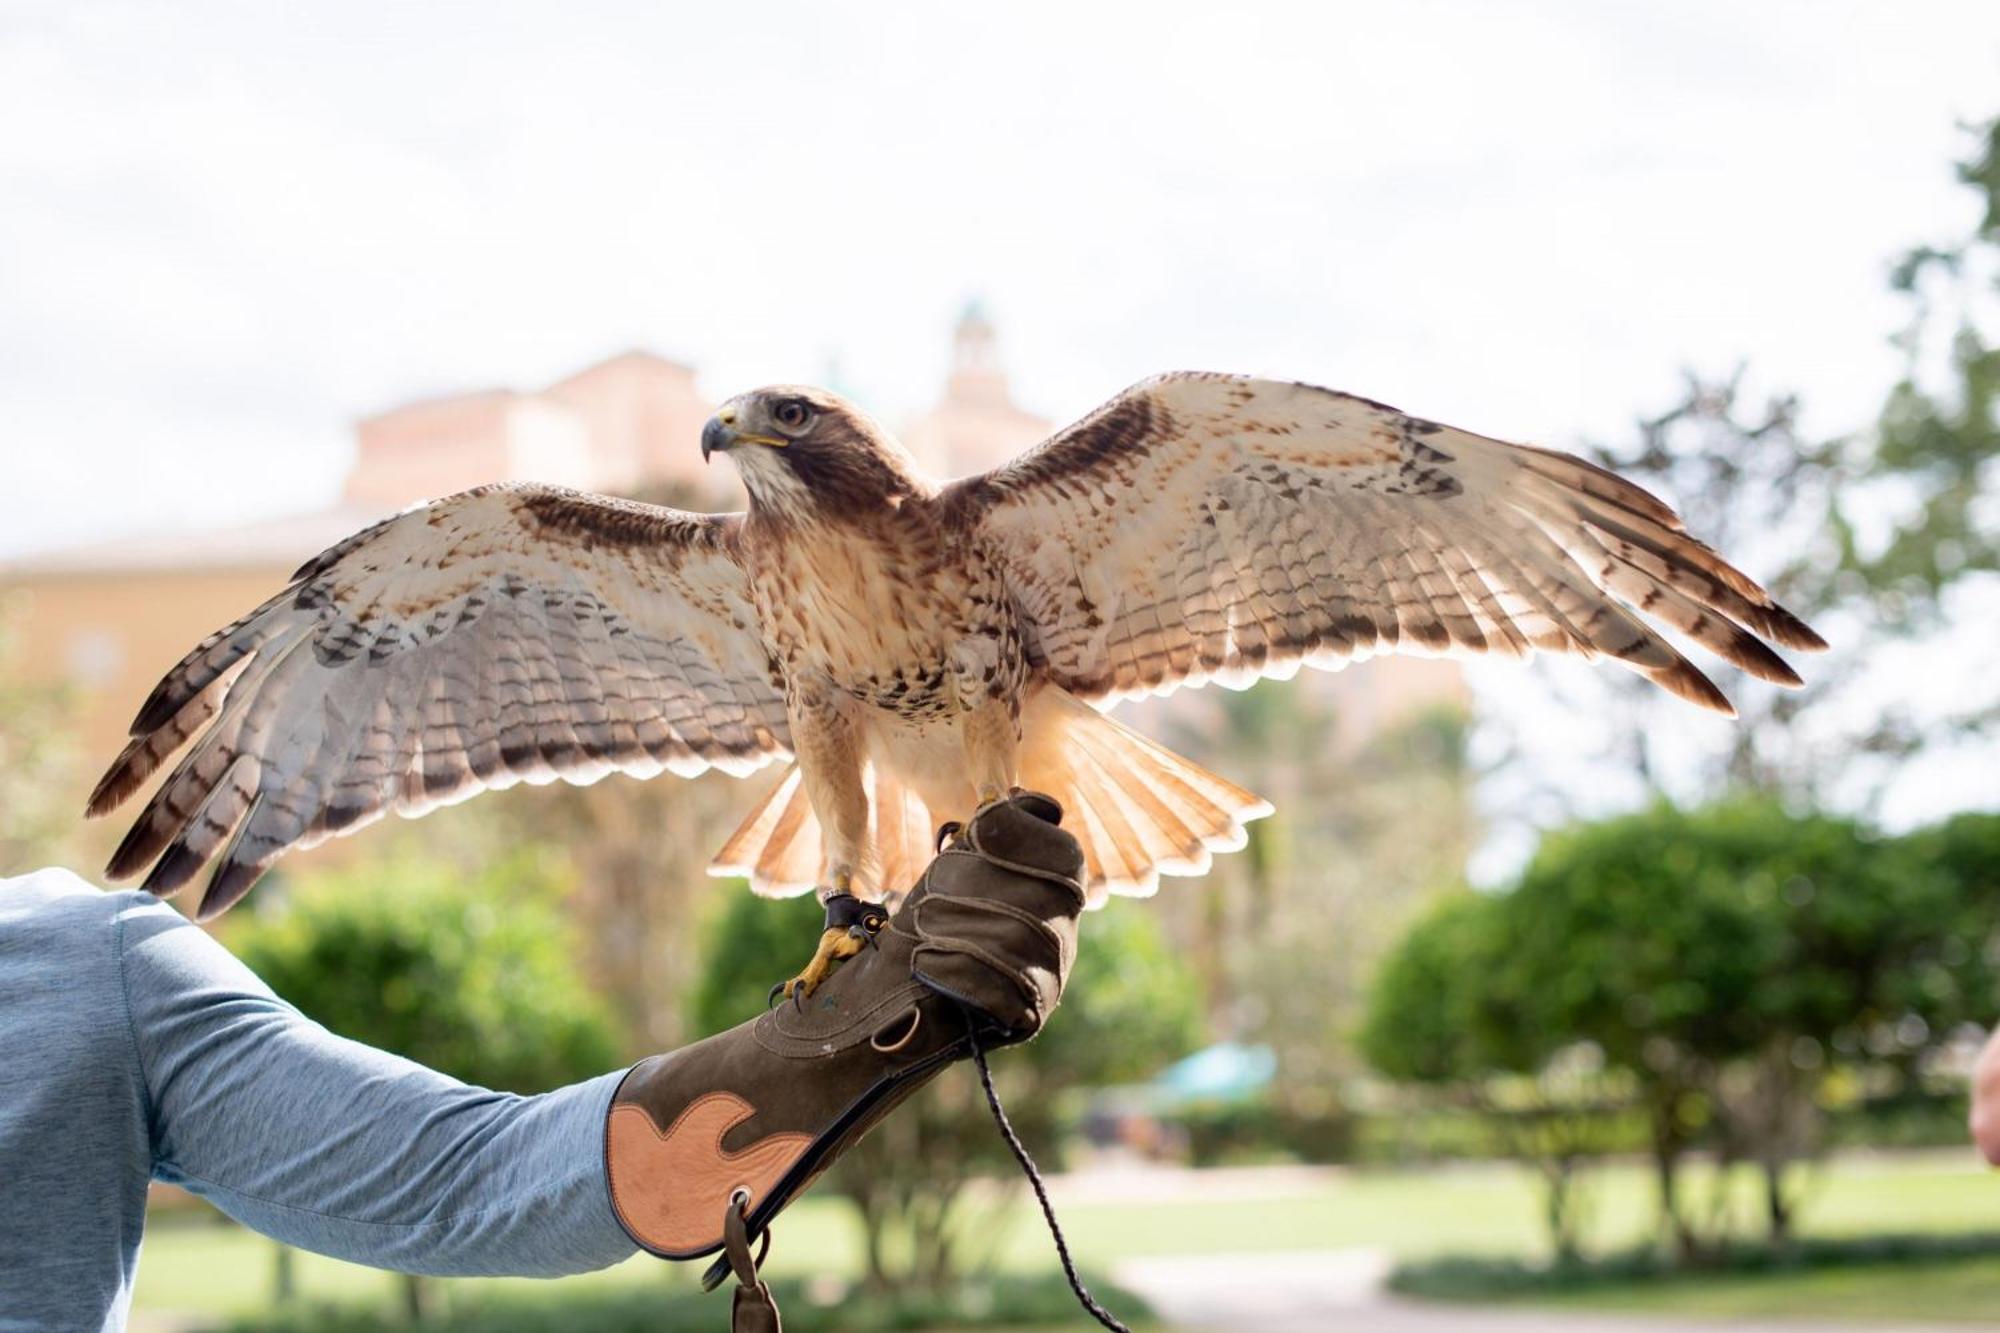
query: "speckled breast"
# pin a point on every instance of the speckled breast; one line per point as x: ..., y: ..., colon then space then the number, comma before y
x: 900, y: 617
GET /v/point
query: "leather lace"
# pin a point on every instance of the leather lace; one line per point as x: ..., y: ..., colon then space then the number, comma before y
x: 1021, y: 1155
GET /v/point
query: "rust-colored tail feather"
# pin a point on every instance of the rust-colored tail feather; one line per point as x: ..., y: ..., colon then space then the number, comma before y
x: 1139, y: 810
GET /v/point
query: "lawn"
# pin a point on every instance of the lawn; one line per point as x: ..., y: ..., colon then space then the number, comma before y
x: 200, y: 1271
x: 1965, y: 1291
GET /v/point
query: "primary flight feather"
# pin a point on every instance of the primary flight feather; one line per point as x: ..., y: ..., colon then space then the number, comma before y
x: 912, y: 648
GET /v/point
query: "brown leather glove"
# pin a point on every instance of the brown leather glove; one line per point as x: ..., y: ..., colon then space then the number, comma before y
x: 741, y: 1123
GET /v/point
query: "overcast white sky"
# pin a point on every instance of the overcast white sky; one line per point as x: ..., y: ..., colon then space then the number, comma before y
x: 227, y: 230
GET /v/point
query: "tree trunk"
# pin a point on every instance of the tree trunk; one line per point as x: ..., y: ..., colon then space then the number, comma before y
x: 1666, y: 1174
x: 284, y: 1276
x: 1777, y: 1208
x: 1558, y: 1210
x: 419, y: 1297
x: 873, y: 1224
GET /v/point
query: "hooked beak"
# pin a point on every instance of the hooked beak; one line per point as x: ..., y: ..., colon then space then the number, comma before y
x: 720, y: 435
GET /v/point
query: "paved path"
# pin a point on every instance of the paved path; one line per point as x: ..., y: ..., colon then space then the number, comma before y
x: 1340, y: 1291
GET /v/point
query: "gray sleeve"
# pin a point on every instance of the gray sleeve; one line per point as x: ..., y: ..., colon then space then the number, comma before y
x: 337, y: 1147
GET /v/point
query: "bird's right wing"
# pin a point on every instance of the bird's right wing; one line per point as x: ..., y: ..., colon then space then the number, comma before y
x: 505, y: 634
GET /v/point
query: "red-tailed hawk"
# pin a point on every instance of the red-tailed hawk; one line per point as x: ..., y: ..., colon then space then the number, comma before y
x: 912, y: 649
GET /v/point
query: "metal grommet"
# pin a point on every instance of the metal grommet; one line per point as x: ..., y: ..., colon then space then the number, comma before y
x: 739, y: 1198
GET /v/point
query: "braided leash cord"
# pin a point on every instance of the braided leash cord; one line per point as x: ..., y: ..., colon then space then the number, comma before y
x: 1020, y: 1151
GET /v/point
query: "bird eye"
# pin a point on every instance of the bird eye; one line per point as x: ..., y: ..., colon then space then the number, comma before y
x: 792, y: 415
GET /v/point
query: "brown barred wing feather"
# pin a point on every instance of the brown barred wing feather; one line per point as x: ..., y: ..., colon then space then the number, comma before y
x: 507, y: 634
x: 1213, y: 527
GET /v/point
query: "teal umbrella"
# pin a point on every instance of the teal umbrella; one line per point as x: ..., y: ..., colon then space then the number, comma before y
x: 1225, y: 1072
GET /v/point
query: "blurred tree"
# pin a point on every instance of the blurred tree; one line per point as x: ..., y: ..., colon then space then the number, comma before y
x: 1133, y: 1005
x: 1369, y: 824
x: 1887, y: 540
x: 1942, y: 428
x: 471, y: 977
x: 1443, y: 1014
x: 639, y: 855
x: 633, y: 858
x: 37, y: 764
x: 741, y: 937
x: 1950, y: 873
x: 1725, y: 958
x: 1724, y: 962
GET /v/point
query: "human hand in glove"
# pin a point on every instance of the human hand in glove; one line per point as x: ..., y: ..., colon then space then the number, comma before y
x: 707, y: 1143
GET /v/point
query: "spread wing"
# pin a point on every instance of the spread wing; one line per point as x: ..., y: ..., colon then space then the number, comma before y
x: 1212, y: 527
x: 504, y: 634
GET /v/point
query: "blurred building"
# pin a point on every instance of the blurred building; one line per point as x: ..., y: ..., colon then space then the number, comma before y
x: 111, y: 618
x: 630, y: 422
x: 975, y: 425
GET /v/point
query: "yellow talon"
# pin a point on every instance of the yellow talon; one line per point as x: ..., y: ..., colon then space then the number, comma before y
x: 834, y: 945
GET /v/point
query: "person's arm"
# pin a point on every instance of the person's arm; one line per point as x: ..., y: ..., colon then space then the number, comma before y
x: 339, y: 1148
x: 1986, y: 1100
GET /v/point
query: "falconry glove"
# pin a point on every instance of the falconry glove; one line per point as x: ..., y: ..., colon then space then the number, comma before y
x: 705, y: 1145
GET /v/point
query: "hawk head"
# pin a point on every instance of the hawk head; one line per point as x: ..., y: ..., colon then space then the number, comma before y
x: 805, y: 450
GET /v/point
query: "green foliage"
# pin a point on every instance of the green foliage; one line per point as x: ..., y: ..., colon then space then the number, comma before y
x: 1731, y: 929
x: 1011, y: 1301
x: 1724, y: 964
x: 471, y: 977
x: 37, y: 761
x: 1427, y: 1129
x: 1424, y: 1020
x: 1133, y: 1005
x: 746, y: 944
x: 1725, y: 959
x: 1450, y: 1012
x: 1713, y: 930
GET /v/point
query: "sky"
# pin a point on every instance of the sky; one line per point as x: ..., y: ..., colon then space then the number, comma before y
x: 229, y: 230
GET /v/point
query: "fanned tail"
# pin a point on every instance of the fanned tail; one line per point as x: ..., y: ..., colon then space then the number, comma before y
x: 1139, y: 809
x: 778, y: 847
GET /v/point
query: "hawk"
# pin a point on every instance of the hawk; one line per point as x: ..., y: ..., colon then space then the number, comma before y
x: 910, y: 649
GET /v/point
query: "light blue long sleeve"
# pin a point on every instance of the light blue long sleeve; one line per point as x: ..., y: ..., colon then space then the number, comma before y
x: 134, y: 1047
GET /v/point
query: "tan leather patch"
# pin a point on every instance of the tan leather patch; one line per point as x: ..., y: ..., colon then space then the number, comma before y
x: 670, y: 1189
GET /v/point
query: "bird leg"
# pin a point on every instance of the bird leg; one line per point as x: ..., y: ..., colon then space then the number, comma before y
x: 851, y: 926
x: 992, y: 747
x: 830, y: 764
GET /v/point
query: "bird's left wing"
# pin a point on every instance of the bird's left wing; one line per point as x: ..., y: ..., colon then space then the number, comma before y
x: 505, y: 634
x: 1214, y: 527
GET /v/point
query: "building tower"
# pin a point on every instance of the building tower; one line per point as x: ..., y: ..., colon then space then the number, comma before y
x: 975, y: 424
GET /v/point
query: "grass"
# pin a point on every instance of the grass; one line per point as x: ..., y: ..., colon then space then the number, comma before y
x: 1935, y: 1276
x: 1020, y: 1303
x: 1944, y: 1291
x: 207, y: 1272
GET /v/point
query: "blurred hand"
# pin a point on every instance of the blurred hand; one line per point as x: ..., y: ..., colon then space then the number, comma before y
x: 1986, y: 1099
